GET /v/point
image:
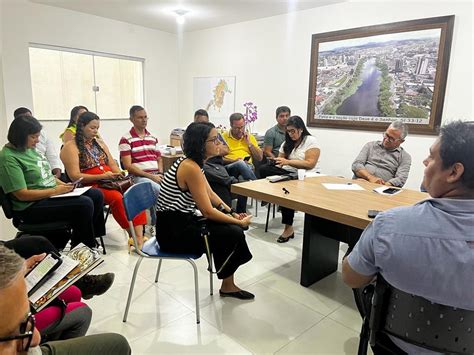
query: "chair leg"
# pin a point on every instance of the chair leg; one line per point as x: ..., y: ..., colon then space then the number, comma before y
x: 274, y: 210
x: 132, y: 285
x: 158, y: 270
x: 256, y: 208
x: 196, y: 289
x: 107, y: 214
x: 268, y: 216
x: 103, y: 245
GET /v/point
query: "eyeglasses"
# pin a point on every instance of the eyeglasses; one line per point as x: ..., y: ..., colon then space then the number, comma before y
x: 214, y: 140
x: 238, y: 128
x: 390, y: 139
x: 26, y: 329
x: 291, y: 131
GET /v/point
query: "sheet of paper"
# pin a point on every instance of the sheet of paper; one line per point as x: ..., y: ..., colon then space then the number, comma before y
x: 65, y: 268
x: 346, y: 186
x: 313, y: 174
x: 78, y: 191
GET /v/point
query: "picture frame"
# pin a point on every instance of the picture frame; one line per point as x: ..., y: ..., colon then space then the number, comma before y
x: 365, y: 78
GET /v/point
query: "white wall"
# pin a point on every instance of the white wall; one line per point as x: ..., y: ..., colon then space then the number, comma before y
x: 6, y: 228
x: 270, y: 59
x: 3, y: 124
x: 25, y: 22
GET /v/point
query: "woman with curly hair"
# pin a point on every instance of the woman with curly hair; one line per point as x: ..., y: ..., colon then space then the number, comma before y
x: 184, y: 190
x: 88, y: 158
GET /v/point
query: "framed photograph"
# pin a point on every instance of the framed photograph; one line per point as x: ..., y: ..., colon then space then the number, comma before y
x: 365, y: 78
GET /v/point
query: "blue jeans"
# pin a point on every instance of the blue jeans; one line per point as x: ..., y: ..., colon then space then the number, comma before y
x: 240, y: 167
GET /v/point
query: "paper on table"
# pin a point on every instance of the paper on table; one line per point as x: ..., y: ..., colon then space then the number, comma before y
x: 65, y: 268
x: 347, y: 186
x: 78, y: 191
x: 313, y: 174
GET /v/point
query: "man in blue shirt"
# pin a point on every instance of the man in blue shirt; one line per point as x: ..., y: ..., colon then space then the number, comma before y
x: 427, y: 249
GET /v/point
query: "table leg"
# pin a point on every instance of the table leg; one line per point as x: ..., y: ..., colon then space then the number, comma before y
x: 321, y: 247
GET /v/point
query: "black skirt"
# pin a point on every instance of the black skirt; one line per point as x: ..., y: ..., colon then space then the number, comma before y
x: 179, y: 232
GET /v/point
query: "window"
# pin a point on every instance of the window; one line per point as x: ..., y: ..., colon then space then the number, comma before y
x: 62, y: 78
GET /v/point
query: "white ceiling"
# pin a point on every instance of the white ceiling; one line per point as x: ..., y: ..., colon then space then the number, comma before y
x: 158, y: 14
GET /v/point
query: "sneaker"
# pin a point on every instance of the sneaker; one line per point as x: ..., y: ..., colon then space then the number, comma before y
x: 95, y: 285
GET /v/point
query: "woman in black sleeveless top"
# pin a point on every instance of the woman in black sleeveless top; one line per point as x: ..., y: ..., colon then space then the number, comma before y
x: 184, y: 189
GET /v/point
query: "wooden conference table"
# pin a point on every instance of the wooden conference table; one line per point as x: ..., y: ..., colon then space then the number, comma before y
x: 331, y: 216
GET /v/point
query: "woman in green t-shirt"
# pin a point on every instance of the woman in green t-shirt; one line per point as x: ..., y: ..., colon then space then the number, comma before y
x: 25, y: 176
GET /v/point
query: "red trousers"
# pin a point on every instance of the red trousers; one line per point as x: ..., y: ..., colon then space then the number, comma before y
x: 115, y: 200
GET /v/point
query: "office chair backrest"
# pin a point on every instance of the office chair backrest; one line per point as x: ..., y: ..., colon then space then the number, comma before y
x: 138, y: 198
x: 418, y: 321
x: 6, y: 204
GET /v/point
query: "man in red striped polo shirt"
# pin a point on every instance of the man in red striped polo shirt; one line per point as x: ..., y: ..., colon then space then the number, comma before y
x: 139, y: 153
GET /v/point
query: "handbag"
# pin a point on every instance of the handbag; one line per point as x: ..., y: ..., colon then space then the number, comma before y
x: 121, y: 184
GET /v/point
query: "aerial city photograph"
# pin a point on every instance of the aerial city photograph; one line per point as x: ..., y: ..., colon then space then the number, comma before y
x: 378, y: 78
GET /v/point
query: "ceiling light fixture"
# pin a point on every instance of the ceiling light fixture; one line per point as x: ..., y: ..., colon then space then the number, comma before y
x: 180, y: 16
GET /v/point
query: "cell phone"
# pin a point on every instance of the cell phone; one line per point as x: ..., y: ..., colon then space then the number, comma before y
x: 41, y: 272
x: 77, y: 182
x: 372, y: 213
x: 391, y: 191
x: 247, y: 158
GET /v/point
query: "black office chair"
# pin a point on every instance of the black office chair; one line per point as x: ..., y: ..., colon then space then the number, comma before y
x: 414, y: 320
x: 44, y: 229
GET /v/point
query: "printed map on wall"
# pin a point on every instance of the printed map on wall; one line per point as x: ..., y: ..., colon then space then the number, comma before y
x: 217, y: 96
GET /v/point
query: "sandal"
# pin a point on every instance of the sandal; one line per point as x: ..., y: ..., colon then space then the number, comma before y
x: 282, y: 239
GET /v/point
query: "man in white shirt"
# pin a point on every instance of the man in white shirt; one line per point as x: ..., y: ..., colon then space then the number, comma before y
x: 45, y: 145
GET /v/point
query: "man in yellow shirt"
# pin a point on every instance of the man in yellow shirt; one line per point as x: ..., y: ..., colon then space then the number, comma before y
x: 240, y: 142
x: 242, y: 151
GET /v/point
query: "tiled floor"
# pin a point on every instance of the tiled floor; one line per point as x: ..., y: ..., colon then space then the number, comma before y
x: 284, y: 317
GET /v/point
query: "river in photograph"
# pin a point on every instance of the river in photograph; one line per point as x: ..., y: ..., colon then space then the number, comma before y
x: 364, y: 101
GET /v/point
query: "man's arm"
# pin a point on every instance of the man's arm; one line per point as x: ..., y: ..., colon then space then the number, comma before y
x: 268, y: 151
x: 358, y: 268
x: 358, y: 166
x: 133, y: 170
x: 268, y: 144
x: 403, y: 169
x: 352, y: 278
x: 255, y: 151
x: 126, y: 158
x: 52, y: 157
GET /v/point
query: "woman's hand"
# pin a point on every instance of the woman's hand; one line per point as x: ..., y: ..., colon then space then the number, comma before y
x: 110, y: 175
x: 281, y: 161
x: 63, y: 189
x: 33, y: 260
x: 239, y: 216
x: 245, y: 222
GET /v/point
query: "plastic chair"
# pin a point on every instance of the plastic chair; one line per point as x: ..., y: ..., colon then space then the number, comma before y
x: 414, y: 320
x: 34, y: 228
x: 136, y: 199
